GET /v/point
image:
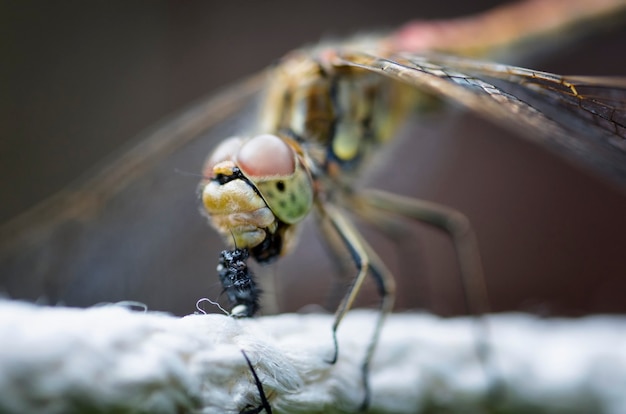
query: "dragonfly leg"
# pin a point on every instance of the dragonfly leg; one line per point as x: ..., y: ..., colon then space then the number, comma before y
x: 343, y: 265
x: 365, y: 260
x: 457, y: 225
x: 452, y: 222
x: 386, y: 285
x: 408, y: 249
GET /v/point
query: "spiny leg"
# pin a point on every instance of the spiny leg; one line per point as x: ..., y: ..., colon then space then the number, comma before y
x: 265, y: 405
x: 452, y: 222
x: 394, y: 228
x: 365, y: 259
x: 343, y: 264
x: 459, y: 228
x: 386, y: 285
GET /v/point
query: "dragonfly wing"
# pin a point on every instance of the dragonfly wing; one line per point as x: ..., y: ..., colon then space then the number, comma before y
x: 595, y: 104
x: 133, y: 222
x: 580, y: 118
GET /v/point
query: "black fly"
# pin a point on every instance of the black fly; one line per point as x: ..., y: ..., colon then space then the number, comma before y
x: 238, y: 282
x: 243, y: 294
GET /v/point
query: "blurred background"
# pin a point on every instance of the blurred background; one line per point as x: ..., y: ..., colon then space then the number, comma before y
x: 81, y: 79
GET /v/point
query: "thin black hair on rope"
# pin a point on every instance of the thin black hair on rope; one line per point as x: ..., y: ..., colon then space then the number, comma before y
x: 265, y: 405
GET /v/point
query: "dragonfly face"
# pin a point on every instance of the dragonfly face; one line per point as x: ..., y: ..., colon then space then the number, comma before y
x: 256, y: 191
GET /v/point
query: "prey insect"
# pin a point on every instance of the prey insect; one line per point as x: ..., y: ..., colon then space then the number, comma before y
x: 238, y: 282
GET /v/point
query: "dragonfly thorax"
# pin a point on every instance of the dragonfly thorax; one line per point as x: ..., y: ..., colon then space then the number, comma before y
x: 340, y: 114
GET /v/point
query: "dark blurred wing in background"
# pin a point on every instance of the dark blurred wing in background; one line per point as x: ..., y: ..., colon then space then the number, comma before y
x: 134, y: 217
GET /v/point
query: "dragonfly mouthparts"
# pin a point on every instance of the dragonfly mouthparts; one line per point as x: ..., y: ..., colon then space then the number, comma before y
x: 226, y: 178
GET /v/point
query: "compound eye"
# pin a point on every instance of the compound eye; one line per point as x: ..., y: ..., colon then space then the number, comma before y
x: 266, y: 156
x: 226, y: 151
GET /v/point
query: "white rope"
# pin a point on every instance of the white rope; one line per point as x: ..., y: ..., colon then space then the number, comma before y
x: 62, y: 360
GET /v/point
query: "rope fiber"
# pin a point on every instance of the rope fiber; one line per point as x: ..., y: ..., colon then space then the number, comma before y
x: 110, y: 359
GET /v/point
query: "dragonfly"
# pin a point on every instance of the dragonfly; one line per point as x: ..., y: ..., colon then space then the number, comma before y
x: 580, y: 118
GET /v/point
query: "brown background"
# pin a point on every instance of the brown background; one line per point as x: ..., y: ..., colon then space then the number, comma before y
x: 81, y: 78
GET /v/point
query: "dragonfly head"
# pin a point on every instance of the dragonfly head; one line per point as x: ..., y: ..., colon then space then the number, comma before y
x: 255, y: 191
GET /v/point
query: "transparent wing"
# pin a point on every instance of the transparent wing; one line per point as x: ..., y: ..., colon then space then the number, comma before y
x: 581, y: 118
x: 133, y: 222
